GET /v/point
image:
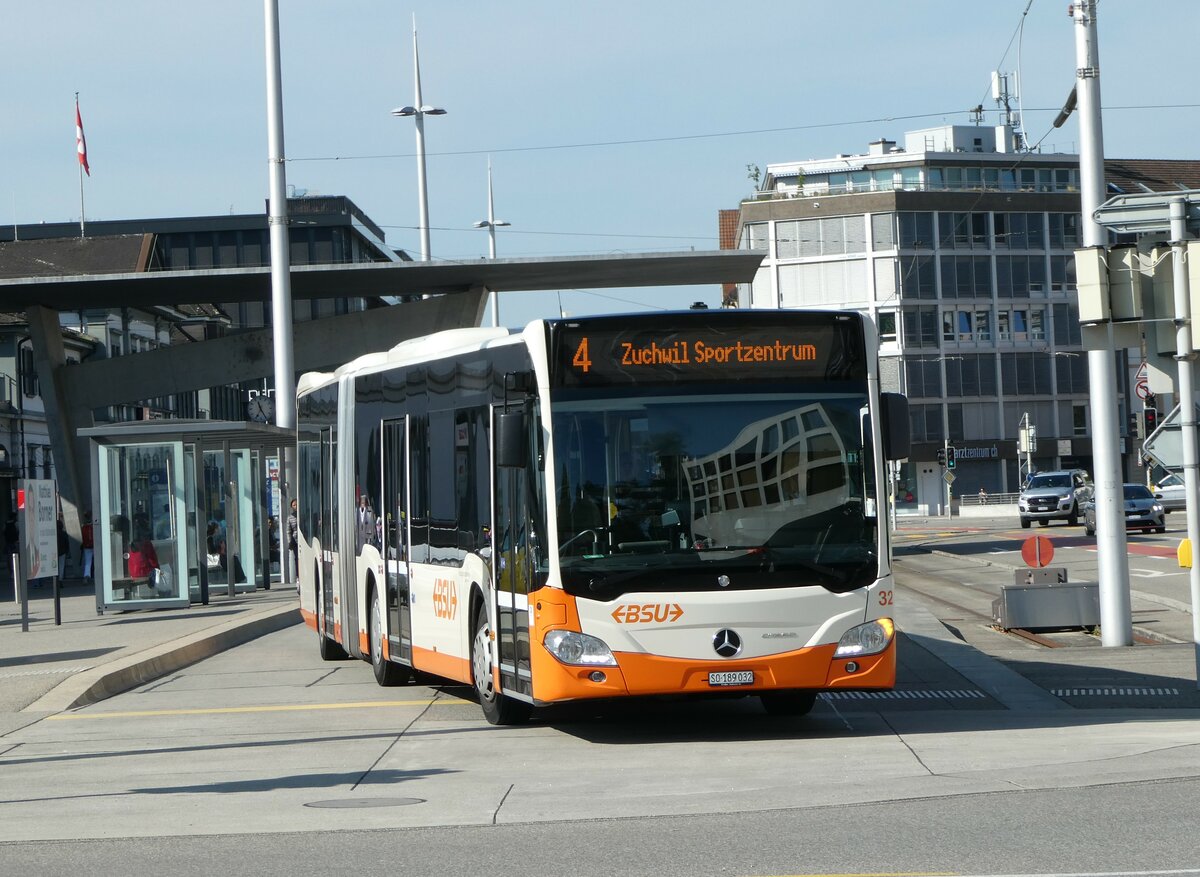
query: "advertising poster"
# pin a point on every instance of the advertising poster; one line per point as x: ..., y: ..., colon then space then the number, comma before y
x: 41, y: 532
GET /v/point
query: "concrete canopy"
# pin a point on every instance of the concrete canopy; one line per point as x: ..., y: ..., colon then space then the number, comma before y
x: 376, y: 279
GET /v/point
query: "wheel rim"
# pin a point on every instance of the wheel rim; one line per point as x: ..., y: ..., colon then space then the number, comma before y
x: 376, y: 630
x: 481, y: 665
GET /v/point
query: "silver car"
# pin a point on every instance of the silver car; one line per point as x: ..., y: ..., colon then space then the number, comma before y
x: 1053, y: 496
x: 1142, y: 511
x: 1169, y: 492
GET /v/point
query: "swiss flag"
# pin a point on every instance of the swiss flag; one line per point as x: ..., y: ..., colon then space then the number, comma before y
x: 80, y: 142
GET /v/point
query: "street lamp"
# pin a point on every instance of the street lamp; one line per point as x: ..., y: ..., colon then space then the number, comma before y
x: 490, y: 224
x: 419, y: 111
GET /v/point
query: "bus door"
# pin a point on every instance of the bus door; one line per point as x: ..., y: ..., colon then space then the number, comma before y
x: 331, y: 596
x: 512, y: 575
x: 395, y: 538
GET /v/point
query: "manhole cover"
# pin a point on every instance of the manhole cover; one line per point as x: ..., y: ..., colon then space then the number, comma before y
x: 365, y: 802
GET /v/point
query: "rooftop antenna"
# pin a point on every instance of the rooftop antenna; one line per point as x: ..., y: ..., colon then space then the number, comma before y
x: 1003, y: 98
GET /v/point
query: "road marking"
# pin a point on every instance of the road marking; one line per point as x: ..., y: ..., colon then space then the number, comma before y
x: 1170, y: 873
x: 898, y: 695
x: 1111, y: 692
x: 277, y: 708
x: 50, y: 672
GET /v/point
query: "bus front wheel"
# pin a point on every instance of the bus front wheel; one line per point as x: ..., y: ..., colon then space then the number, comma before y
x: 387, y: 673
x: 497, y: 708
x: 788, y: 703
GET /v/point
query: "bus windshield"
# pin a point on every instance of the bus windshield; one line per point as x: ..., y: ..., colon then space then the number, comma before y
x: 741, y: 488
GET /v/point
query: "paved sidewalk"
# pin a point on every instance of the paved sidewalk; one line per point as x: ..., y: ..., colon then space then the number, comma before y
x: 90, y: 657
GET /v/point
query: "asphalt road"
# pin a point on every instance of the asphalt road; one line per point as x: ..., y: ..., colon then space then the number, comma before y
x: 266, y: 760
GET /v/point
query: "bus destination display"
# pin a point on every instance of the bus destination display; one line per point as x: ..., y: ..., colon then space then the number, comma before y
x: 593, y: 355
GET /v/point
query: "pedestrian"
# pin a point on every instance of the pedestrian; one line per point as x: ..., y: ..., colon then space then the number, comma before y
x: 64, y: 545
x: 87, y: 547
x: 293, y: 546
x: 982, y: 496
x: 143, y: 559
x: 365, y: 523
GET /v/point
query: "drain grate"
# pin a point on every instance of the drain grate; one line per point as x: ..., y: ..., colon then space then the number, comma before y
x: 901, y: 695
x: 1114, y: 692
x: 356, y: 803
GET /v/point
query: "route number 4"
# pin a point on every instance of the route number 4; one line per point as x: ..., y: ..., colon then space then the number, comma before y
x: 581, y: 359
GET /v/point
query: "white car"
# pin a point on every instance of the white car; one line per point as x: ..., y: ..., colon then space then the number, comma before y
x: 1169, y: 492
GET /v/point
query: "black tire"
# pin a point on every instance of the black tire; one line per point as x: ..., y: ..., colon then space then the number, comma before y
x: 1025, y: 522
x: 498, y: 709
x: 387, y: 673
x: 1088, y: 530
x: 1160, y: 529
x: 329, y: 650
x: 788, y: 703
x: 1073, y: 518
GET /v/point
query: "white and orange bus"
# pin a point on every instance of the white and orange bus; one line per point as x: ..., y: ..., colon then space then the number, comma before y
x: 608, y: 506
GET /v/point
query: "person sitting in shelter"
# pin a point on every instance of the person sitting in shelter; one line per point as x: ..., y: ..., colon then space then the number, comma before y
x: 143, y: 559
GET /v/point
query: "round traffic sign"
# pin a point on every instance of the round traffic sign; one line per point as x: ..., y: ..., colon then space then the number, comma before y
x: 1037, y: 551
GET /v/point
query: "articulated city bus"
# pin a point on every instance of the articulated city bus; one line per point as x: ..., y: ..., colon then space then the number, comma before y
x: 643, y: 504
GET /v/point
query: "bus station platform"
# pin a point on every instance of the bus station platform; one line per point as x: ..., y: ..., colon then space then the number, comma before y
x: 89, y: 657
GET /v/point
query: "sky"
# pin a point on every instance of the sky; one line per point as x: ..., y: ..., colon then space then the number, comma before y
x: 615, y: 127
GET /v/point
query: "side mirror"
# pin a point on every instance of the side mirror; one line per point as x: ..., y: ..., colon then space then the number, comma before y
x: 512, y: 440
x: 893, y: 417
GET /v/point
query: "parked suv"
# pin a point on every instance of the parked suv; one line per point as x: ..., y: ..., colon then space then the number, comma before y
x: 1050, y: 496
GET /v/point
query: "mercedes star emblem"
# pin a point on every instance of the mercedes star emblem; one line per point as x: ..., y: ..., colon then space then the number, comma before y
x: 727, y: 643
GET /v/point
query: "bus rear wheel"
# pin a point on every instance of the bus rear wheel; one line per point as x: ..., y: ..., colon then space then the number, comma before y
x: 387, y: 673
x: 788, y: 703
x: 497, y: 708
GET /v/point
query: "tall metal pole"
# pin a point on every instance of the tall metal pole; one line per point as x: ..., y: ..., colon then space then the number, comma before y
x: 277, y: 222
x: 490, y: 224
x: 422, y: 191
x: 281, y: 282
x: 1185, y: 358
x: 1116, y: 626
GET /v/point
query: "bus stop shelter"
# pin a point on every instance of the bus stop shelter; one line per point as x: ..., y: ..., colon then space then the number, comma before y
x: 184, y: 509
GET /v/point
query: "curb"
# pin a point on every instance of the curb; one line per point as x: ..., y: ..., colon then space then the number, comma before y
x: 130, y: 671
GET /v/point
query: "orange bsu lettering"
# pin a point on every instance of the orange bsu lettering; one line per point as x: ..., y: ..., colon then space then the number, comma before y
x: 644, y: 613
x: 445, y: 598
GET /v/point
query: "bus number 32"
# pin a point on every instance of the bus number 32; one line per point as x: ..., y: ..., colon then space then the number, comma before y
x: 885, y: 598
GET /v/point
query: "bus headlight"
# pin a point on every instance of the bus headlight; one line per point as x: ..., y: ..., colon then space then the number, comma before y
x: 866, y: 639
x: 570, y: 647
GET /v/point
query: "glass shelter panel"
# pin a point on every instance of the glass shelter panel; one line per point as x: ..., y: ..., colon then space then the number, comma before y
x: 143, y: 547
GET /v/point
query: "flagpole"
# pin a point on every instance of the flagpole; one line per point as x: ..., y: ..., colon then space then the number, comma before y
x: 80, y: 163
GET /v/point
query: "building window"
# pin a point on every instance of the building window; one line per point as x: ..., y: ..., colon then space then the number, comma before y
x: 756, y: 236
x: 1079, y: 416
x: 983, y: 324
x: 883, y: 235
x: 917, y: 277
x: 916, y: 230
x: 1037, y: 324
x: 920, y: 327
x: 1003, y: 332
x: 887, y: 327
x: 29, y: 378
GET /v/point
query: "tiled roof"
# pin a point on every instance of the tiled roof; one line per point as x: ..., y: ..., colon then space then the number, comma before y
x: 1159, y: 175
x: 60, y: 257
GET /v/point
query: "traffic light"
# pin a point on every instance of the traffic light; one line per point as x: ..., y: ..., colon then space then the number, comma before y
x: 941, y: 456
x: 950, y: 457
x: 1138, y: 424
x: 1151, y: 417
